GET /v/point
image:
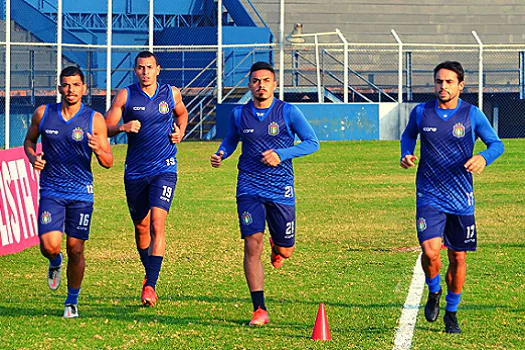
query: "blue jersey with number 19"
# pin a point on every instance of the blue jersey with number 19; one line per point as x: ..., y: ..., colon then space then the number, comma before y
x: 67, y: 173
x: 150, y: 151
x: 447, y: 143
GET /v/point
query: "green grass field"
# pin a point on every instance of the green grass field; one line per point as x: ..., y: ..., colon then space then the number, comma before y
x: 356, y: 249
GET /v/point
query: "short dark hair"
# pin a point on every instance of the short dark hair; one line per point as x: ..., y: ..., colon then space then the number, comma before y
x: 453, y: 66
x: 261, y: 66
x: 145, y: 54
x: 71, y: 71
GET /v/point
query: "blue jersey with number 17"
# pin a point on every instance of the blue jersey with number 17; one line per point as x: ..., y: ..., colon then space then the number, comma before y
x: 150, y: 151
x: 261, y: 130
x: 447, y: 143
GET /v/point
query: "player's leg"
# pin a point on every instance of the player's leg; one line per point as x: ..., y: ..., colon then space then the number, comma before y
x: 138, y: 204
x: 51, y: 214
x: 282, y: 225
x: 430, y: 224
x: 460, y: 237
x: 252, y: 222
x: 78, y: 223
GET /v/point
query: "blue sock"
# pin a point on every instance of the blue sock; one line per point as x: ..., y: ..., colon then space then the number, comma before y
x: 258, y: 300
x: 144, y: 257
x: 56, y: 261
x: 153, y: 269
x: 453, y: 300
x: 72, y: 295
x: 433, y: 283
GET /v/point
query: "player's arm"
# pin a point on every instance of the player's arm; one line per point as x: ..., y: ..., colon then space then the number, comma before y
x: 31, y: 139
x: 483, y: 130
x: 298, y: 125
x: 115, y: 113
x: 228, y: 144
x: 99, y: 141
x: 408, y: 141
x: 180, y: 115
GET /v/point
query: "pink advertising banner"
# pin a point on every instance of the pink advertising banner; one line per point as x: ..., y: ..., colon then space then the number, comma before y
x: 18, y: 202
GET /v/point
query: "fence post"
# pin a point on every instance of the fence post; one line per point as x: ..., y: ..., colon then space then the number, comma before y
x: 219, y: 51
x: 281, y: 51
x: 109, y: 41
x: 522, y: 74
x: 399, y: 68
x: 409, y: 75
x: 59, y: 44
x: 345, y: 65
x: 320, y: 97
x: 480, y: 78
x: 7, y: 71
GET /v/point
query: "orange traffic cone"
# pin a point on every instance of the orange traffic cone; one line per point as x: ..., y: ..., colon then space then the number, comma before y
x: 321, y: 329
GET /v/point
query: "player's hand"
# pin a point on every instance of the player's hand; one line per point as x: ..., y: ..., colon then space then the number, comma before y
x: 176, y: 136
x: 271, y: 158
x: 132, y: 126
x: 476, y: 164
x: 93, y: 142
x: 39, y: 163
x: 216, y: 159
x: 408, y: 161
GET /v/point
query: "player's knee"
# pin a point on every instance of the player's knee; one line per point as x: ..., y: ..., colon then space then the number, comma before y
x: 49, y: 250
x: 75, y: 253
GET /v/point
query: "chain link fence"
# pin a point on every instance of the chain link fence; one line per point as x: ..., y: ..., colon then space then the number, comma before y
x: 311, y: 67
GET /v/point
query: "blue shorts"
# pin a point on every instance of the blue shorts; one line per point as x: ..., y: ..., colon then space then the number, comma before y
x: 253, y: 213
x: 70, y: 217
x: 152, y: 191
x: 458, y: 231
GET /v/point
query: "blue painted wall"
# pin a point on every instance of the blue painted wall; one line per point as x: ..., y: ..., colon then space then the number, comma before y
x: 331, y: 122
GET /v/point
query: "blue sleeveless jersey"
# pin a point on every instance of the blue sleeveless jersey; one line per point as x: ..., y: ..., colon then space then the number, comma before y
x: 447, y: 142
x: 259, y: 135
x: 67, y: 173
x: 150, y: 151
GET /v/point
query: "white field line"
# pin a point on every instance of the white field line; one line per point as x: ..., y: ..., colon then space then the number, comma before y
x: 407, y: 321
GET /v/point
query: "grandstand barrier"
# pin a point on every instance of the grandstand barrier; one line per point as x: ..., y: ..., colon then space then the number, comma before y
x: 18, y: 202
x: 338, y: 121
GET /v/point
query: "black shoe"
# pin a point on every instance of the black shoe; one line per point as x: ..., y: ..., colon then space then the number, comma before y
x: 432, y: 306
x: 451, y: 322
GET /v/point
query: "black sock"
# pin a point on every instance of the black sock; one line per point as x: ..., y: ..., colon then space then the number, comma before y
x: 258, y: 300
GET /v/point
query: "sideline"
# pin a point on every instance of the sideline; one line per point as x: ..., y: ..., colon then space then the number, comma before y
x: 407, y: 321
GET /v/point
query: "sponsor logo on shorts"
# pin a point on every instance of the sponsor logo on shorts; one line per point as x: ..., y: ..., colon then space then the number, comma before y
x: 273, y: 129
x: 45, y: 218
x: 78, y: 134
x: 246, y: 218
x: 458, y: 130
x: 421, y: 224
x: 163, y: 107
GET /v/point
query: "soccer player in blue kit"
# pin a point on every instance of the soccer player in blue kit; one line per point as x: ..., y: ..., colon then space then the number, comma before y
x: 265, y: 182
x: 155, y: 120
x: 71, y: 132
x: 448, y: 128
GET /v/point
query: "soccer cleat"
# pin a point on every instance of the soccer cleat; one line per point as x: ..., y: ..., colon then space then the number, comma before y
x: 149, y: 297
x: 277, y: 260
x: 71, y: 311
x: 260, y: 317
x: 54, y: 276
x: 432, y: 306
x: 451, y: 322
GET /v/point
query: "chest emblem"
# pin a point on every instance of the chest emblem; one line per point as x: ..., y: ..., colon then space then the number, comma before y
x: 163, y: 107
x: 77, y: 134
x: 273, y: 129
x: 458, y: 130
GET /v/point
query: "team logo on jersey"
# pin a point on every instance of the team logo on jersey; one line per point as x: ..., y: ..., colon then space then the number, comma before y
x: 246, y: 218
x: 421, y: 224
x: 163, y: 107
x: 78, y: 134
x: 273, y: 129
x: 45, y: 218
x: 458, y: 130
